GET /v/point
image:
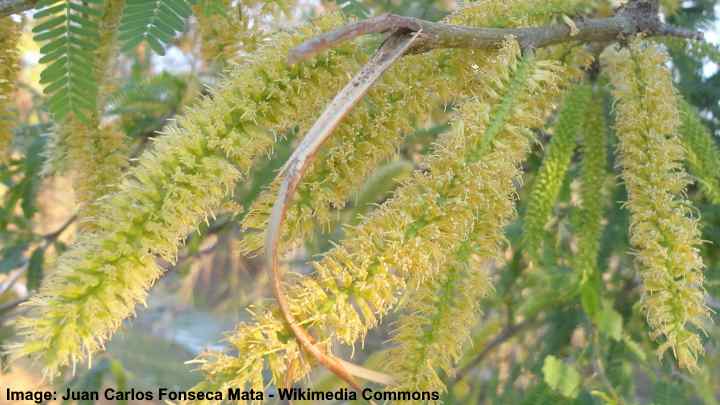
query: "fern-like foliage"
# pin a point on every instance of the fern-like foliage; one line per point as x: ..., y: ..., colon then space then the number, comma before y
x: 69, y: 30
x: 154, y: 21
x: 703, y: 153
x: 550, y: 177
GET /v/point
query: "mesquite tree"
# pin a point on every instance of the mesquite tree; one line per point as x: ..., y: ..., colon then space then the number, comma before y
x: 382, y: 161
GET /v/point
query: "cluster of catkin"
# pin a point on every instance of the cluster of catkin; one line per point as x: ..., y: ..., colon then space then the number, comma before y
x: 176, y: 185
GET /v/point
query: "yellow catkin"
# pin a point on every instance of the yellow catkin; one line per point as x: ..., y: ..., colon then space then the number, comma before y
x: 663, y: 231
x: 186, y: 176
x: 410, y: 237
x: 375, y: 129
x: 9, y: 66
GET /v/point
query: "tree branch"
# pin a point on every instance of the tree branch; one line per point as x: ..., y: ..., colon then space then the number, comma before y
x: 636, y: 17
x: 9, y: 7
x: 507, y: 333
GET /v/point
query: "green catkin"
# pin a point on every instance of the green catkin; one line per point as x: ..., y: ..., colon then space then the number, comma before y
x: 663, y: 230
x: 183, y: 179
x: 375, y: 129
x: 412, y: 236
x: 555, y: 164
x: 593, y: 172
x: 703, y: 154
x: 9, y: 66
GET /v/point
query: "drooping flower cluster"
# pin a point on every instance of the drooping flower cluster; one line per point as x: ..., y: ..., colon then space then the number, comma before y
x: 593, y: 173
x: 173, y: 187
x: 434, y: 328
x: 556, y: 162
x: 9, y: 65
x: 663, y: 231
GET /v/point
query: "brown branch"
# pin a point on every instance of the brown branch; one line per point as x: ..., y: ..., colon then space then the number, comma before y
x: 9, y: 7
x: 637, y: 17
x: 507, y: 333
x: 391, y: 50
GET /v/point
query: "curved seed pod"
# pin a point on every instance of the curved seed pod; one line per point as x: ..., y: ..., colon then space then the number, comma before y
x: 369, y: 135
x: 550, y: 176
x: 703, y: 154
x: 663, y: 231
x: 9, y: 65
x: 189, y: 172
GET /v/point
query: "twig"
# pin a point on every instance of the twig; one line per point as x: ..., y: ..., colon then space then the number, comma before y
x: 505, y: 335
x: 636, y: 17
x: 54, y: 235
x: 8, y: 306
x: 48, y: 239
x: 391, y: 50
x: 11, y: 279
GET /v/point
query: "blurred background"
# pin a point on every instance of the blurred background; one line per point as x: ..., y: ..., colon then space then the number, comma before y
x: 207, y: 291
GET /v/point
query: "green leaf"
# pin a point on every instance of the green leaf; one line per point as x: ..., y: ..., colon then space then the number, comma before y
x: 35, y: 269
x: 590, y: 298
x: 69, y: 33
x: 11, y: 257
x: 561, y: 377
x: 609, y: 322
x: 156, y: 22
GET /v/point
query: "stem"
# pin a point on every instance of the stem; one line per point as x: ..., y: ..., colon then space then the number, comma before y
x: 636, y: 17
